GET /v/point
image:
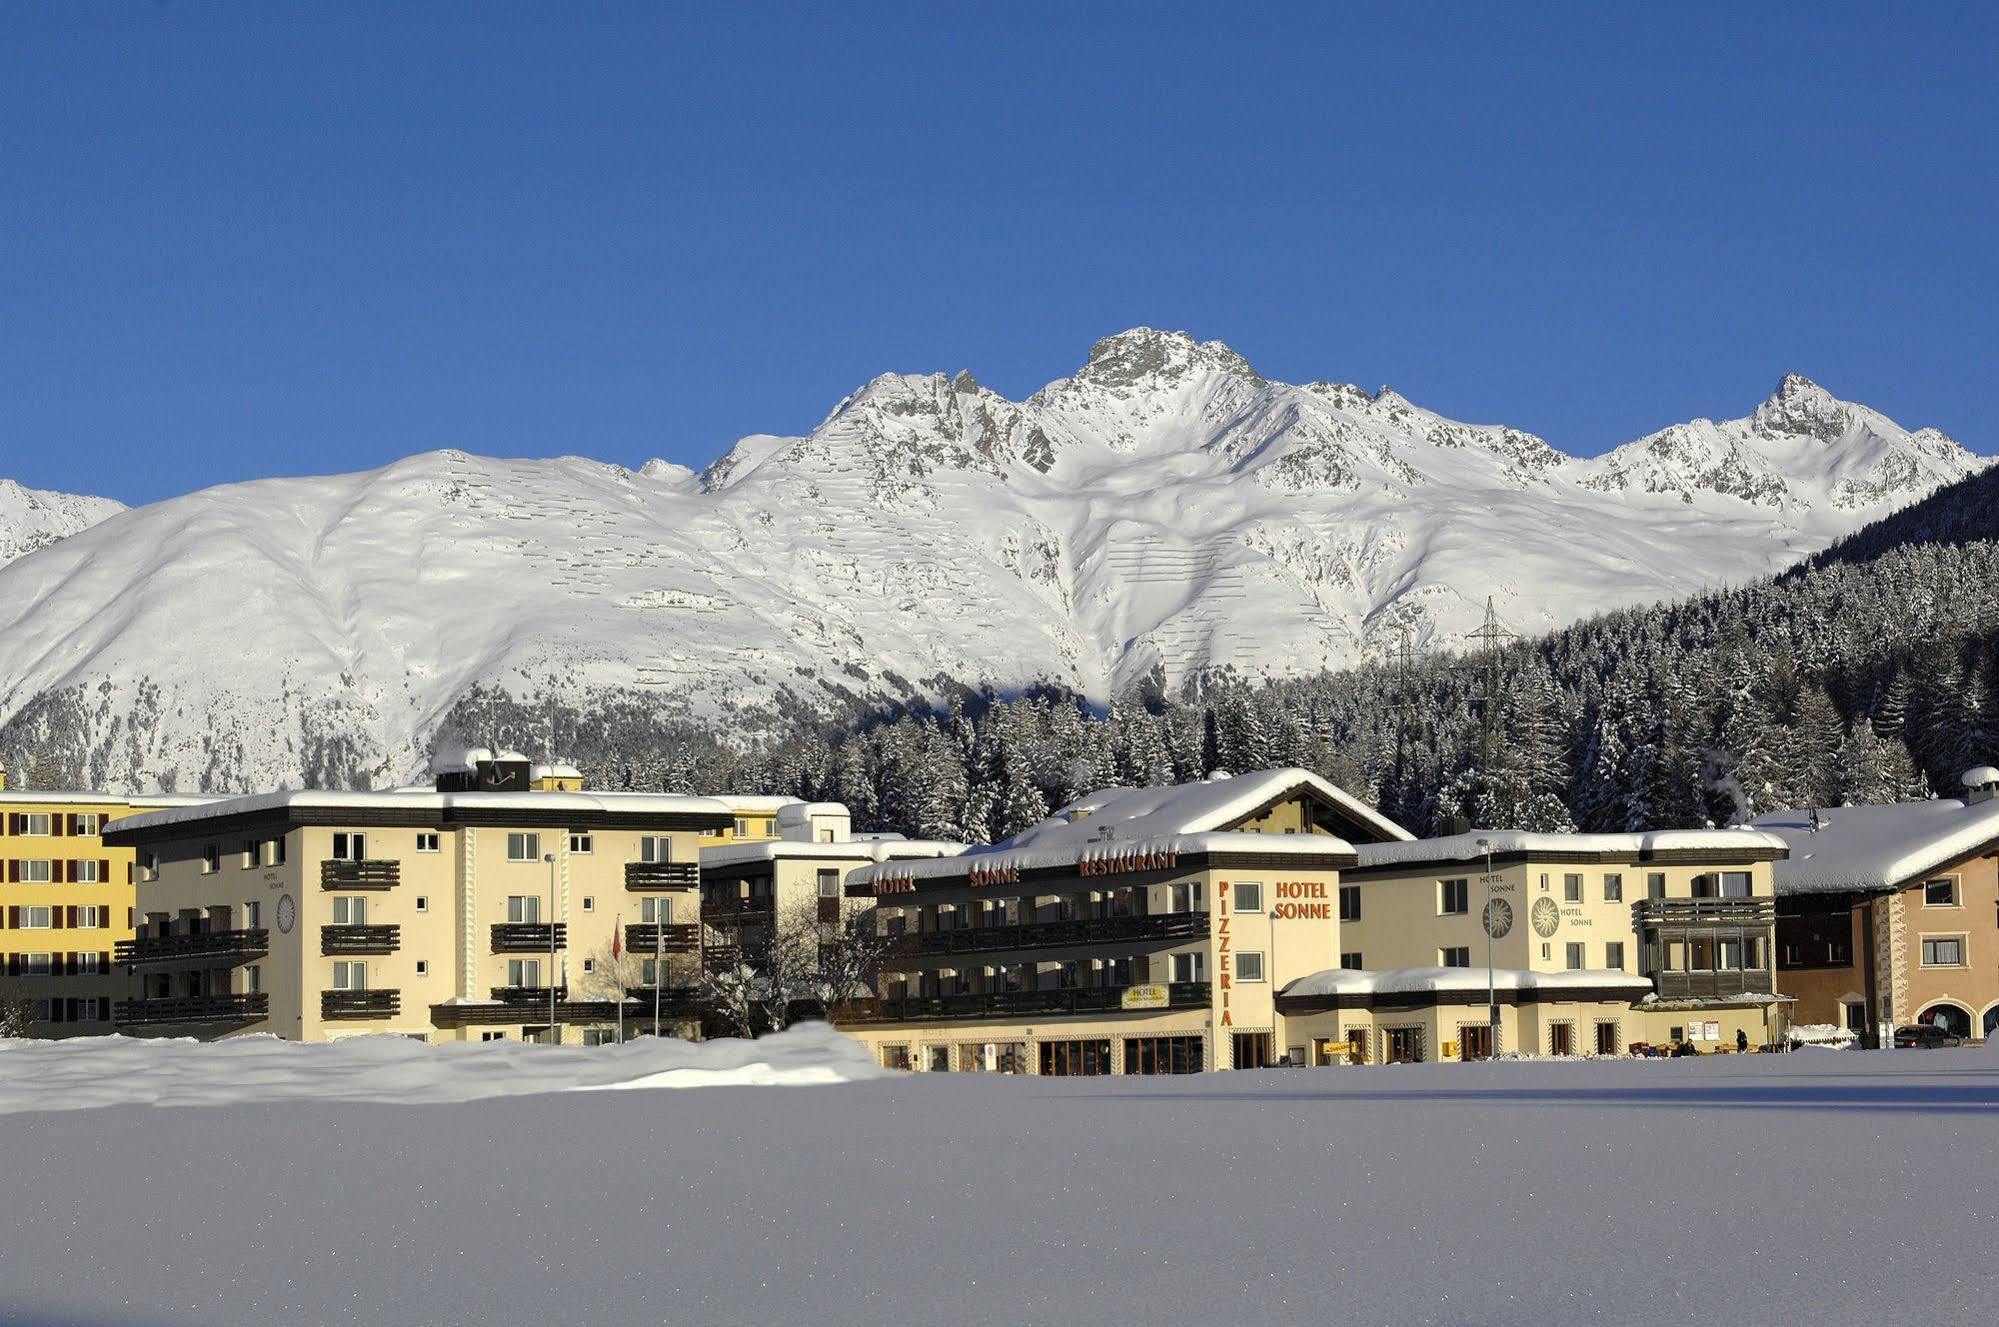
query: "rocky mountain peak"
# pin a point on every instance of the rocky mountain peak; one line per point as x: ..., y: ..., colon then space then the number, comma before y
x: 1801, y: 408
x: 1144, y: 354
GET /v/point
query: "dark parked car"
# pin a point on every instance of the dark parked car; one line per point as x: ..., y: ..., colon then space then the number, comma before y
x: 1924, y: 1036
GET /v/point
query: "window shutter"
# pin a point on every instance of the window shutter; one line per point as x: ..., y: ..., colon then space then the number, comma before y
x: 13, y: 965
x: 13, y: 822
x: 55, y: 918
x: 72, y: 916
x: 14, y: 917
x: 59, y: 871
x: 13, y: 871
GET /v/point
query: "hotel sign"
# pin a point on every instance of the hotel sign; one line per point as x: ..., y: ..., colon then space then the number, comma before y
x: 1293, y: 901
x: 893, y: 884
x: 1120, y: 863
x: 1150, y: 996
x: 979, y: 877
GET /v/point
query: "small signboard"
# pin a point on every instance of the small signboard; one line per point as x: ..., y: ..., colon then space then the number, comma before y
x: 1450, y: 1050
x: 1152, y: 995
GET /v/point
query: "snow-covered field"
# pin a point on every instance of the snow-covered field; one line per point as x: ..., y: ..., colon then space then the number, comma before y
x: 1823, y: 1188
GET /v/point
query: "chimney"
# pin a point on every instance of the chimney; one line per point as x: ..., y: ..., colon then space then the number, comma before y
x: 1981, y: 782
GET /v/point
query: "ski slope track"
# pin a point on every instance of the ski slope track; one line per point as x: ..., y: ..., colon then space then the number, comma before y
x: 1165, y: 512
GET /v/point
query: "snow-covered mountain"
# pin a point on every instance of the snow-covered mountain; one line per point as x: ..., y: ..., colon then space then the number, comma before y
x: 31, y: 518
x: 1164, y: 512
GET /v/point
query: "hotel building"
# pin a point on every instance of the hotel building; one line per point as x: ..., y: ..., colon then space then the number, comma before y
x: 1595, y: 942
x: 1138, y: 930
x: 65, y: 907
x: 473, y: 909
x: 1888, y: 915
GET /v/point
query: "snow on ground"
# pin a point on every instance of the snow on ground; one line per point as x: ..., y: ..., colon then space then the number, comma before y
x: 120, y: 1071
x: 1830, y: 1189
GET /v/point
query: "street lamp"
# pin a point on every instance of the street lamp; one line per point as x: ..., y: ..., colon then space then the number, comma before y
x: 1491, y: 984
x: 554, y: 1028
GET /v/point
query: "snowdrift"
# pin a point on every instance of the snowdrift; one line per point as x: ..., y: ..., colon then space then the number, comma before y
x: 120, y: 1071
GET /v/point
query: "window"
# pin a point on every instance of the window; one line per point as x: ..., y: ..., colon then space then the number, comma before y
x: 350, y: 976
x: 1249, y: 896
x: 1816, y: 940
x: 523, y: 972
x: 1458, y: 956
x: 492, y: 1036
x: 829, y: 884
x: 35, y: 919
x: 89, y: 963
x: 1940, y: 893
x: 524, y: 909
x: 656, y: 911
x: 1613, y: 887
x: 1544, y: 882
x: 349, y: 910
x: 1655, y: 884
x: 599, y: 1037
x: 1251, y: 1050
x: 427, y: 841
x: 589, y: 965
x: 253, y: 915
x: 1249, y: 965
x: 253, y: 854
x: 1351, y: 961
x: 253, y: 979
x: 1562, y: 1039
x: 423, y: 967
x: 1349, y: 903
x: 1072, y: 1058
x: 1735, y: 884
x: 350, y: 847
x: 149, y: 866
x: 742, y: 829
x: 655, y: 848
x: 895, y: 1057
x: 89, y: 872
x: 90, y: 917
x: 422, y: 903
x: 34, y: 822
x: 580, y: 843
x: 1544, y: 950
x: 1572, y: 888
x: 1455, y: 898
x: 1190, y: 967
x: 36, y: 965
x: 1575, y: 957
x: 1164, y: 1055
x: 649, y: 972
x: 1943, y: 952
x: 1613, y: 955
x: 523, y: 847
x: 1606, y: 1038
x: 90, y: 823
x: 589, y: 903
x: 211, y: 858
x: 37, y: 873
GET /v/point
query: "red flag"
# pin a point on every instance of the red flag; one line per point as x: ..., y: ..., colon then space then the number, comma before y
x: 618, y: 938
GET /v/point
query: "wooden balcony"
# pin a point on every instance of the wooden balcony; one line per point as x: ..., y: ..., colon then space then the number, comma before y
x: 1712, y: 985
x: 337, y: 1006
x: 737, y: 911
x: 528, y: 996
x: 1047, y: 935
x: 192, y: 1009
x: 529, y: 937
x: 337, y: 873
x: 1705, y: 913
x: 344, y: 941
x: 534, y: 1014
x: 999, y: 1004
x: 206, y: 949
x: 645, y: 877
x: 645, y: 939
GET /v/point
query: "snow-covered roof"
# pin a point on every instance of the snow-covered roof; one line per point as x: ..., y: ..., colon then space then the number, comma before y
x: 557, y: 770
x: 1979, y: 776
x: 752, y: 803
x: 1877, y: 848
x: 1186, y: 808
x: 72, y: 797
x: 551, y: 804
x: 849, y: 850
x: 1399, y: 981
x: 459, y: 759
x: 1504, y: 842
x: 1305, y: 847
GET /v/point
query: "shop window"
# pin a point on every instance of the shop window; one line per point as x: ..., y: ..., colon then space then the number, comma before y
x: 1073, y: 1059
x: 937, y: 1059
x: 1165, y: 1055
x: 1251, y: 1050
x: 1606, y: 1038
x: 1562, y: 1039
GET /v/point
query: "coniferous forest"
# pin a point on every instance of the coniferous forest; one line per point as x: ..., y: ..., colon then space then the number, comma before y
x: 1866, y: 674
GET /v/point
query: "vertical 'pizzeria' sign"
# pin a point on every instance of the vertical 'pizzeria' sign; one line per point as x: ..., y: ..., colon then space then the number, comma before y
x: 1222, y: 950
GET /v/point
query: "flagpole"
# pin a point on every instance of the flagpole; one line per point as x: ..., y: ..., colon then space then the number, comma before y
x: 658, y: 964
x: 617, y: 964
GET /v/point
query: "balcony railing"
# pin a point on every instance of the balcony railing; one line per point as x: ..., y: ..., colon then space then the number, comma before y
x: 1180, y: 995
x: 189, y: 1009
x: 734, y: 911
x: 528, y: 937
x: 336, y: 1005
x: 1712, y: 985
x: 643, y: 938
x: 1705, y: 912
x: 338, y: 873
x: 720, y: 958
x: 209, y: 948
x: 1041, y: 935
x: 528, y: 995
x: 340, y: 941
x: 662, y: 875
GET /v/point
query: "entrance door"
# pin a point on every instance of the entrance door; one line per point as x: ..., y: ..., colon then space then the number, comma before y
x: 1404, y: 1045
x: 1252, y: 1050
x: 1562, y: 1039
x: 1475, y: 1042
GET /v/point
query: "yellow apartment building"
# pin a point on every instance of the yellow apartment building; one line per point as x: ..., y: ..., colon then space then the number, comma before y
x: 65, y: 906
x: 474, y: 909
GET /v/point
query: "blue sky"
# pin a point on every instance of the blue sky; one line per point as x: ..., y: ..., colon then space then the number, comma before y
x: 282, y: 239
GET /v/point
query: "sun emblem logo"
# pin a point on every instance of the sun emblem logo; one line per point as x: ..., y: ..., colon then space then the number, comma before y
x: 1546, y: 917
x: 1498, y: 918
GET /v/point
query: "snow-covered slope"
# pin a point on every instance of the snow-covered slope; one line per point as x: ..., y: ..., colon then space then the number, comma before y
x: 32, y: 518
x: 1164, y: 510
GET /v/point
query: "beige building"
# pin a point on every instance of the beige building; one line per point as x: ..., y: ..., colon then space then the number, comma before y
x: 1886, y: 914
x: 1688, y: 913
x: 455, y: 912
x: 796, y: 878
x: 65, y: 907
x: 1138, y: 930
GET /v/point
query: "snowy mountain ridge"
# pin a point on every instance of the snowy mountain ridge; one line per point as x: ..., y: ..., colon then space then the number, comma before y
x: 1163, y: 513
x: 32, y: 518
